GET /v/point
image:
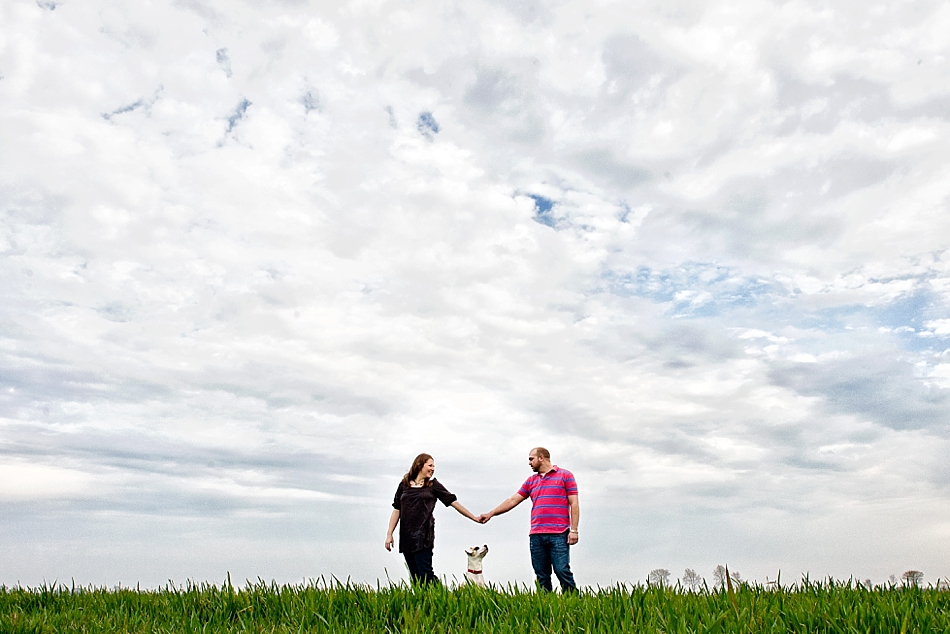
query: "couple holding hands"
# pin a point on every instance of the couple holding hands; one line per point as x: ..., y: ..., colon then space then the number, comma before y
x: 555, y: 513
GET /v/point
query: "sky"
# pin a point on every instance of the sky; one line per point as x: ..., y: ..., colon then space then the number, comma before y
x: 255, y: 256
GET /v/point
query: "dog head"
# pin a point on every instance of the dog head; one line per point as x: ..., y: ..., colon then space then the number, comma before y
x: 477, y: 552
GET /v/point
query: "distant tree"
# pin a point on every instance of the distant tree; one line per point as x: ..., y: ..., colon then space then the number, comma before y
x: 719, y: 577
x: 692, y: 580
x: 943, y: 584
x: 736, y: 577
x: 892, y: 579
x: 868, y: 584
x: 659, y: 577
x: 912, y: 577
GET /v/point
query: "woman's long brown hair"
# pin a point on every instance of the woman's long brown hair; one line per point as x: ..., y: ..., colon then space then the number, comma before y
x: 417, y: 464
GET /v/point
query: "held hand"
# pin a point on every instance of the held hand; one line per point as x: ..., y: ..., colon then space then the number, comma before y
x: 389, y: 542
x: 571, y: 539
x: 483, y: 518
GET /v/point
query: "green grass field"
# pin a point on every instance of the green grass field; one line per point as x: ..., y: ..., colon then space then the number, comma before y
x: 340, y: 607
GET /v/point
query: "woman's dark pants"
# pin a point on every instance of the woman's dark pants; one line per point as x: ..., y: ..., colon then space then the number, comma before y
x: 550, y: 550
x: 420, y: 566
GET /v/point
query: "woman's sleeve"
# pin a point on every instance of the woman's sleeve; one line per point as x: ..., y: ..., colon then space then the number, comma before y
x: 397, y: 501
x: 442, y: 493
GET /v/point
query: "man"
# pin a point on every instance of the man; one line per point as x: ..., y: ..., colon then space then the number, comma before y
x: 555, y: 513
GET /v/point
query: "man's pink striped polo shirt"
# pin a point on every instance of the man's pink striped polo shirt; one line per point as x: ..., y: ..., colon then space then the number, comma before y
x: 550, y: 510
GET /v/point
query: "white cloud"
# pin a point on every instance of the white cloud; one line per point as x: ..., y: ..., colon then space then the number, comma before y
x: 20, y: 480
x: 939, y: 326
x: 695, y: 249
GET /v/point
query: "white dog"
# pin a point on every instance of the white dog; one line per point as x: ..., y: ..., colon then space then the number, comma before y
x: 474, y: 572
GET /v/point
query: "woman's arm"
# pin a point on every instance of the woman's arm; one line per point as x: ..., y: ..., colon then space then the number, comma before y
x: 464, y: 511
x: 393, y: 520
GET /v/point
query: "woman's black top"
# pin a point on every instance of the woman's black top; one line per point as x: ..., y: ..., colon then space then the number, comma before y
x: 416, y: 521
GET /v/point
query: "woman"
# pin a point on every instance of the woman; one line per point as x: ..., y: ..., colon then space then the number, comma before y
x: 414, y: 503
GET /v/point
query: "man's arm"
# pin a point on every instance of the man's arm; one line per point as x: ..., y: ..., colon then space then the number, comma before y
x: 575, y: 505
x: 504, y: 507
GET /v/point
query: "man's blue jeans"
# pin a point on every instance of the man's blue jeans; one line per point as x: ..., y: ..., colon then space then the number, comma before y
x: 551, y: 551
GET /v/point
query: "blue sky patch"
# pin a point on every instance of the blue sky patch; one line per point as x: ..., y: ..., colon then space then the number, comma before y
x: 625, y: 212
x: 135, y: 105
x: 695, y: 289
x: 542, y: 210
x: 909, y: 311
x: 238, y: 114
x: 310, y: 101
x: 904, y: 317
x: 832, y: 319
x: 127, y: 108
x: 427, y: 125
x: 224, y: 60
